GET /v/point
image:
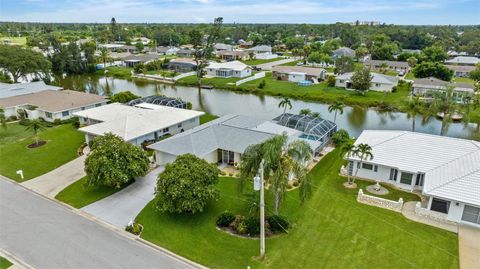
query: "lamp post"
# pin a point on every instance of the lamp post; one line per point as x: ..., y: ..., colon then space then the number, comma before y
x: 259, y: 185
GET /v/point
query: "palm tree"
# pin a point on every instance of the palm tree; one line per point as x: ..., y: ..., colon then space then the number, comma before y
x: 444, y: 104
x: 285, y: 102
x: 413, y: 108
x: 337, y: 107
x: 282, y: 159
x: 104, y: 56
x: 3, y: 120
x: 315, y: 115
x: 348, y: 149
x: 364, y: 152
x: 305, y: 112
x: 35, y: 125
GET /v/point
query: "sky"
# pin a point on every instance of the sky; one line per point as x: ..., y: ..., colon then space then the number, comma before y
x: 443, y: 12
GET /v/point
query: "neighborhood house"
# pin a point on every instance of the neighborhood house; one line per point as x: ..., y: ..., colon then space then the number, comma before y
x: 446, y: 170
x: 138, y: 123
x: 427, y: 87
x: 392, y: 65
x: 461, y: 70
x: 9, y: 90
x: 233, y: 55
x: 50, y: 105
x: 263, y: 52
x: 235, y: 69
x: 298, y: 73
x: 132, y: 60
x: 379, y: 83
x: 463, y: 60
x: 182, y: 65
x: 343, y: 52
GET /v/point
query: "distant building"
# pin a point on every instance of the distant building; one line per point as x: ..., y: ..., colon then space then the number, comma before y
x: 167, y: 50
x: 233, y: 55
x: 9, y: 90
x: 379, y: 83
x: 343, y: 52
x: 185, y: 53
x: 262, y: 52
x: 427, y: 87
x: 182, y: 65
x: 234, y: 69
x: 392, y: 65
x: 51, y: 105
x: 461, y: 70
x: 132, y: 60
x: 222, y: 47
x: 463, y: 60
x: 298, y: 73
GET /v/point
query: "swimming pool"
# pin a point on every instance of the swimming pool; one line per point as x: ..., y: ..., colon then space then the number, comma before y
x: 310, y: 137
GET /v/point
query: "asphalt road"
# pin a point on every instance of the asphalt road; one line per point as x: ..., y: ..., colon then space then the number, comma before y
x: 44, y: 234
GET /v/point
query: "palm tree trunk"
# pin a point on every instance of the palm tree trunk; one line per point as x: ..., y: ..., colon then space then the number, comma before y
x: 36, y: 138
x: 277, y: 201
x: 335, y: 117
x: 284, y: 109
x: 413, y: 124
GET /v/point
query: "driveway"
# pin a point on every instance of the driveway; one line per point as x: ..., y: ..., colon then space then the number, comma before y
x: 45, y: 234
x: 469, y: 246
x: 51, y: 183
x: 118, y: 209
x: 270, y: 65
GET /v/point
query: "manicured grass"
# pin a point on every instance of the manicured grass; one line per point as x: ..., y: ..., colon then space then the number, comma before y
x: 317, y: 92
x: 4, y: 263
x: 16, y: 40
x: 294, y: 63
x: 393, y: 193
x: 260, y: 61
x: 464, y: 80
x: 330, y: 230
x: 116, y: 72
x: 165, y: 73
x: 207, y: 117
x: 78, y: 194
x: 63, y: 142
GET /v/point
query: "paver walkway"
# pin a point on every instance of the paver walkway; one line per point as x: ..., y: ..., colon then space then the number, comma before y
x: 408, y: 211
x: 469, y: 246
x: 122, y: 207
x: 45, y: 234
x: 270, y: 65
x: 51, y: 183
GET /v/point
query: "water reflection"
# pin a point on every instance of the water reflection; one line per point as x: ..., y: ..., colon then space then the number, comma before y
x: 218, y: 102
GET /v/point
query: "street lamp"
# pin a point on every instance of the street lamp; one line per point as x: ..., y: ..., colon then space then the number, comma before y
x: 258, y: 185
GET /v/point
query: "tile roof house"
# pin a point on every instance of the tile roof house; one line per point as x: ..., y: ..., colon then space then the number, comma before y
x: 134, y: 59
x: 234, y: 69
x: 426, y: 87
x: 138, y: 123
x: 298, y: 73
x: 342, y: 52
x: 450, y: 180
x: 51, y: 105
x: 9, y: 90
x: 463, y: 60
x: 460, y: 70
x: 233, y: 55
x: 182, y: 65
x: 394, y: 65
x: 379, y: 83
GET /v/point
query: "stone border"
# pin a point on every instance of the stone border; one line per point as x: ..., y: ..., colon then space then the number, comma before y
x: 379, y: 202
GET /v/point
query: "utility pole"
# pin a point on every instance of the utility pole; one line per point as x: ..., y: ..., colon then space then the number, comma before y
x: 262, y: 212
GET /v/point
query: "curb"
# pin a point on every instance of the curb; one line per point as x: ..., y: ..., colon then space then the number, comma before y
x: 16, y: 262
x: 110, y: 227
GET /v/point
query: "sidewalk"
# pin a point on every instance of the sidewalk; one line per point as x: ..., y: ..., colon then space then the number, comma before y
x: 469, y: 247
x: 408, y: 211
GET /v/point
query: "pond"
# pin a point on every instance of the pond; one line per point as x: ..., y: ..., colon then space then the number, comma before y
x: 222, y: 102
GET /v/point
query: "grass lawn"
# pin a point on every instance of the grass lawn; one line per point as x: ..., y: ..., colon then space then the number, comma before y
x: 62, y: 144
x: 16, y: 40
x: 165, y: 73
x: 217, y: 82
x: 410, y: 76
x: 207, y: 117
x: 116, y: 72
x: 79, y: 195
x: 331, y: 230
x: 4, y: 263
x: 294, y: 63
x: 260, y: 61
x: 464, y: 80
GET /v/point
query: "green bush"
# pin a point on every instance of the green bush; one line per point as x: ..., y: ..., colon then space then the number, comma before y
x: 225, y: 219
x: 340, y: 137
x: 252, y: 226
x: 24, y: 122
x: 296, y: 183
x: 330, y: 81
x: 278, y: 223
x: 262, y: 84
x: 239, y: 225
x: 135, y: 228
x: 12, y: 118
x: 394, y: 89
x: 57, y: 121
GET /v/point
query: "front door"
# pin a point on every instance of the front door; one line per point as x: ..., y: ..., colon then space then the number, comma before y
x: 228, y: 157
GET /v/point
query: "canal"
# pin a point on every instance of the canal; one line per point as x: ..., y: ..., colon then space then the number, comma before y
x: 221, y: 102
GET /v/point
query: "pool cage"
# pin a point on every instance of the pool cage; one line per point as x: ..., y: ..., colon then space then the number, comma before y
x: 313, y: 128
x: 160, y: 100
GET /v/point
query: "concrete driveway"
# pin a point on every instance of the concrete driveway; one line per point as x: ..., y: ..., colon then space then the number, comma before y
x: 45, y: 234
x: 51, y: 183
x: 123, y: 206
x: 469, y: 246
x: 270, y: 65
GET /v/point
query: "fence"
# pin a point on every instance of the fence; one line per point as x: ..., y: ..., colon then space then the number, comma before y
x: 256, y: 76
x: 379, y: 202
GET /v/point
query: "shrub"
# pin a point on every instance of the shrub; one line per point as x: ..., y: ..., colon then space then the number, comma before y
x: 394, y: 89
x: 330, y: 81
x: 262, y: 84
x: 225, y: 219
x: 252, y: 226
x: 278, y: 223
x: 123, y: 97
x: 238, y: 224
x: 295, y: 184
x: 57, y: 121
x: 340, y: 137
x: 230, y: 174
x: 24, y: 122
x: 12, y: 118
x: 134, y: 228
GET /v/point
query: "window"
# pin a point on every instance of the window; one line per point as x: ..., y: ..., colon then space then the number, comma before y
x: 367, y: 166
x: 440, y: 205
x: 393, y: 174
x: 48, y: 115
x: 471, y: 214
x: 406, y: 178
x: 419, y: 181
x: 65, y: 113
x: 375, y: 168
x: 179, y: 125
x: 97, y: 105
x: 377, y: 84
x: 165, y: 130
x: 350, y: 168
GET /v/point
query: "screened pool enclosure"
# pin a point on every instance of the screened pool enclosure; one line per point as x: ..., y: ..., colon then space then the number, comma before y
x: 160, y: 100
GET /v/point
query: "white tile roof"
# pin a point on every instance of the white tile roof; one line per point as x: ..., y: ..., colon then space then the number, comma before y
x: 376, y: 78
x: 130, y: 122
x: 9, y: 90
x: 464, y: 60
x: 234, y: 65
x: 451, y: 165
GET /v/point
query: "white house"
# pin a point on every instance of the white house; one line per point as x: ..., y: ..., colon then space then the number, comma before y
x: 263, y: 52
x: 298, y: 73
x: 379, y: 83
x: 9, y: 90
x: 225, y: 139
x: 426, y: 87
x: 343, y: 52
x: 463, y: 60
x: 461, y: 70
x: 235, y: 69
x: 137, y: 124
x: 51, y: 105
x: 445, y: 169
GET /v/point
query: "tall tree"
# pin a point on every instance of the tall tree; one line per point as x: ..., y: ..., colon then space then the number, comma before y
x: 285, y: 102
x: 20, y: 62
x: 337, y: 106
x: 344, y: 65
x: 363, y: 152
x: 36, y: 126
x: 361, y: 80
x: 113, y: 28
x: 413, y: 108
x: 3, y: 119
x: 104, y: 56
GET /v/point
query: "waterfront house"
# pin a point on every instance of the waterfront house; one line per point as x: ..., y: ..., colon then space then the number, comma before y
x: 233, y: 55
x: 9, y: 90
x: 138, y: 123
x: 462, y: 71
x: 425, y: 88
x: 50, y: 105
x: 182, y: 65
x: 379, y: 83
x: 298, y: 73
x: 446, y: 170
x: 463, y: 60
x: 234, y: 69
x: 134, y: 59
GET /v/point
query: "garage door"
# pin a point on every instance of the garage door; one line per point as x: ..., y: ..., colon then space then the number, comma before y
x: 471, y: 214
